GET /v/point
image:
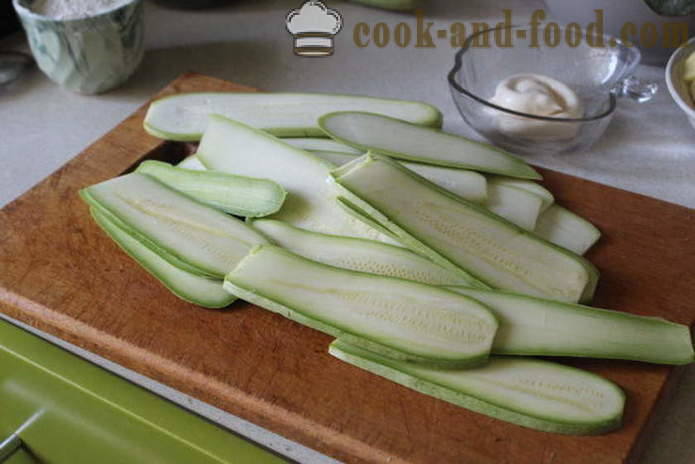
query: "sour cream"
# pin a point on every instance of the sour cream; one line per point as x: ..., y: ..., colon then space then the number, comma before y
x: 538, y: 95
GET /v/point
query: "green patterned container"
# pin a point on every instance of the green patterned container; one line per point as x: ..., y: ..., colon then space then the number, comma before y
x: 87, y: 55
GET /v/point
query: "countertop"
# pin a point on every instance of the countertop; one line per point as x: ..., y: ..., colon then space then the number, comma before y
x: 648, y: 148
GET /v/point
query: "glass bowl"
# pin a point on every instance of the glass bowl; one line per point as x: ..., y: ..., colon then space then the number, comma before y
x: 598, y: 75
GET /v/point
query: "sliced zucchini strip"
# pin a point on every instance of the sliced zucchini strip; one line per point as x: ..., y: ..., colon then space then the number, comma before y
x: 209, y: 242
x: 398, y: 318
x: 456, y: 233
x: 470, y: 185
x: 232, y: 147
x: 532, y: 393
x: 529, y: 186
x: 567, y: 229
x: 402, y: 140
x: 192, y: 162
x: 184, y: 116
x: 533, y: 326
x: 516, y: 205
x: 358, y: 254
x: 321, y: 144
x: 337, y: 158
x: 238, y: 195
x: 195, y: 289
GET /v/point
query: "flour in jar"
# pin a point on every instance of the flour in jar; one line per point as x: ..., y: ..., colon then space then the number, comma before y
x: 74, y: 9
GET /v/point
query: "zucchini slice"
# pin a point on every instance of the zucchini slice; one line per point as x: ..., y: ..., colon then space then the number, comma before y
x: 402, y: 140
x: 516, y: 205
x: 334, y: 157
x: 359, y: 254
x: 238, y: 195
x: 532, y: 393
x: 172, y: 224
x: 321, y: 144
x: 527, y: 185
x: 470, y: 185
x: 232, y: 147
x: 356, y: 213
x: 184, y: 116
x: 455, y: 233
x: 192, y: 162
x: 361, y: 215
x: 189, y: 287
x: 503, y: 197
x: 398, y: 318
x: 163, y: 253
x: 567, y: 229
x: 533, y: 326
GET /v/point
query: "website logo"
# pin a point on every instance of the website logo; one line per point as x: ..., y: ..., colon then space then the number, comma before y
x: 313, y: 26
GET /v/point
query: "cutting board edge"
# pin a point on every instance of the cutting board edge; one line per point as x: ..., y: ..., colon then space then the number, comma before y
x: 313, y: 434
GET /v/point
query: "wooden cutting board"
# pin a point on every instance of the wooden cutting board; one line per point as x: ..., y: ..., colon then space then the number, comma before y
x: 61, y: 274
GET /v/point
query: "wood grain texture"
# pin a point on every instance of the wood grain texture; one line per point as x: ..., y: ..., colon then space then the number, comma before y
x: 61, y: 274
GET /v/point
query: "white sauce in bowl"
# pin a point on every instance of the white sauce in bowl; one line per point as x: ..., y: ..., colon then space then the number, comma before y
x: 537, y: 95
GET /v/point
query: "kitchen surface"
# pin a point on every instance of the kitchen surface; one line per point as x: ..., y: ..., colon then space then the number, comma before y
x: 648, y: 148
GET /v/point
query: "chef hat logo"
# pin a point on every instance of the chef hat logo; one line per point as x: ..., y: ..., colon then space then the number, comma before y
x: 313, y: 26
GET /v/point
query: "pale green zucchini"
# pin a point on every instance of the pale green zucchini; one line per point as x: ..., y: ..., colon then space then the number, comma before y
x: 567, y: 229
x: 321, y: 144
x: 532, y: 393
x: 361, y: 215
x: 398, y: 318
x: 189, y: 287
x: 334, y: 157
x: 402, y: 140
x: 356, y: 213
x: 192, y: 162
x: 184, y: 116
x: 528, y: 185
x: 238, y: 195
x: 470, y: 185
x: 358, y: 254
x: 518, y: 206
x: 517, y: 200
x: 207, y: 241
x: 232, y: 147
x: 533, y: 326
x: 507, y: 199
x: 163, y: 253
x: 456, y: 233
